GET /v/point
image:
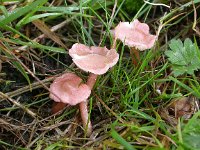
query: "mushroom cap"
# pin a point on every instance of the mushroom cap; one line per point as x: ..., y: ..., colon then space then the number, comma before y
x: 135, y: 34
x: 93, y: 59
x: 69, y: 89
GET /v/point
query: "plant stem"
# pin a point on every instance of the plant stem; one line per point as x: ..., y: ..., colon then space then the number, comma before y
x: 135, y: 56
x: 114, y: 44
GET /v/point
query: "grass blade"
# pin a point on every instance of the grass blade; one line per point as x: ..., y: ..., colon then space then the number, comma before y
x: 121, y: 140
x: 21, y: 11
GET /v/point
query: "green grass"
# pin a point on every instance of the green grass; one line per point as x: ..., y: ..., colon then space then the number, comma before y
x: 131, y: 107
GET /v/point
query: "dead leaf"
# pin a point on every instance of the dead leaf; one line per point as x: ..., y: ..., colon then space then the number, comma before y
x: 45, y: 29
x: 182, y: 107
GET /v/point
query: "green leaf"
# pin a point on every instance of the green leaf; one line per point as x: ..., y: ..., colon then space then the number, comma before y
x: 184, y: 57
x: 35, y: 17
x: 53, y: 146
x: 22, y: 70
x: 21, y: 11
x: 18, y: 66
x: 4, y: 11
x: 121, y: 140
x: 33, y: 10
x: 37, y: 45
x: 68, y: 9
x: 191, y: 133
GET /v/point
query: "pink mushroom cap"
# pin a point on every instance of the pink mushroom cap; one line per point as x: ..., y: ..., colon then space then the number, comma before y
x: 69, y: 89
x: 93, y: 59
x: 135, y: 34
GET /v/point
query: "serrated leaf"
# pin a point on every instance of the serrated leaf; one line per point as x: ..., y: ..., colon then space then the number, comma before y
x: 184, y: 57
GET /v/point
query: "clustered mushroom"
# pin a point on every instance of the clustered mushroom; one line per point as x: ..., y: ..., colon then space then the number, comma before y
x: 69, y: 89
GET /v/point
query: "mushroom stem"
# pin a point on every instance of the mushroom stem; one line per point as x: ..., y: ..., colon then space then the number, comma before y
x: 57, y: 106
x: 83, y: 106
x: 84, y: 116
x: 91, y: 80
x: 135, y: 56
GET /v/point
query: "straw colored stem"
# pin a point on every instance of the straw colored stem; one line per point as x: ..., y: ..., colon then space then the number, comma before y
x: 114, y: 43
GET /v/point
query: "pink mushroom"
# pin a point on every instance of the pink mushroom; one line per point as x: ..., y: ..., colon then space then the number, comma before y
x: 69, y: 89
x: 136, y: 35
x: 93, y: 59
x: 96, y: 60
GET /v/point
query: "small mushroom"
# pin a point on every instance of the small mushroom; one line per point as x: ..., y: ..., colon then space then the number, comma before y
x: 69, y: 89
x: 135, y: 35
x: 96, y: 60
x: 93, y: 59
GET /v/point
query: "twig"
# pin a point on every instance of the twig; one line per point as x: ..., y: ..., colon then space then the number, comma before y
x: 27, y: 69
x: 157, y: 4
x: 111, y: 111
x: 111, y: 19
x: 113, y: 13
x: 195, y: 20
x: 53, y: 29
x: 45, y: 29
x: 19, y: 105
x: 27, y: 88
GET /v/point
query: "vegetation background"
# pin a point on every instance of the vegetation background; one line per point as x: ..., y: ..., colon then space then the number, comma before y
x: 154, y: 105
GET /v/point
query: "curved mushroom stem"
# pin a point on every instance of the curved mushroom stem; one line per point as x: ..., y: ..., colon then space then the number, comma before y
x: 135, y: 56
x: 91, y: 80
x: 85, y: 118
x: 83, y: 106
